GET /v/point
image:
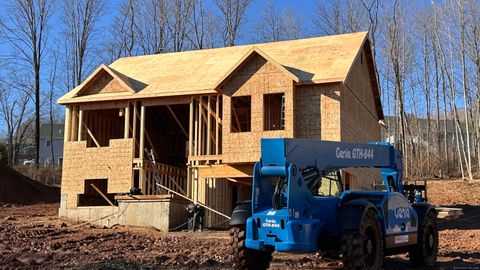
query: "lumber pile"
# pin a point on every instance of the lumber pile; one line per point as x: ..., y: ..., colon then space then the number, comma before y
x: 448, y: 213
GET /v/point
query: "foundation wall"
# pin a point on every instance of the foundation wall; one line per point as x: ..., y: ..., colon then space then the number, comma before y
x: 80, y: 163
x: 256, y: 78
x: 162, y: 214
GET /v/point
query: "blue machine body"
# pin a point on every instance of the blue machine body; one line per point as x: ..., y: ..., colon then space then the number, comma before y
x: 305, y: 222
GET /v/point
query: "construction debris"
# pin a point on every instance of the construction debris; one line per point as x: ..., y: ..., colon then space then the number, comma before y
x: 448, y: 212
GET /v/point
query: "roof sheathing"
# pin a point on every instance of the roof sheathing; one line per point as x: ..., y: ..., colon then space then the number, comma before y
x: 314, y: 60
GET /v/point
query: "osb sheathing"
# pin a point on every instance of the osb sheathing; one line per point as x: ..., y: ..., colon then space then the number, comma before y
x: 359, y: 118
x: 256, y: 78
x: 81, y: 163
x: 104, y: 83
x: 317, y: 111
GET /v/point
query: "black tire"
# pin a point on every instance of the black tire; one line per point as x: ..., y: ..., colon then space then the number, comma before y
x: 424, y: 253
x: 245, y: 258
x: 363, y: 248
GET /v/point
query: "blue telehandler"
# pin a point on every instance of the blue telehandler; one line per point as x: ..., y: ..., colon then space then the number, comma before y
x: 299, y: 204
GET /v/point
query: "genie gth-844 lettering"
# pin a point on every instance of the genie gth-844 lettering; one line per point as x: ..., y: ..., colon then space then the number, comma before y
x: 299, y: 204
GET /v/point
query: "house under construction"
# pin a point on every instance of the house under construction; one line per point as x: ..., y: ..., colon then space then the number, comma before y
x: 192, y: 122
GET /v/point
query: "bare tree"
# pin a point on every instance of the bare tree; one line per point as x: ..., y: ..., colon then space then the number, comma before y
x: 203, y: 27
x: 233, y: 14
x: 17, y: 119
x: 26, y: 31
x: 180, y: 12
x: 80, y: 18
x: 151, y: 29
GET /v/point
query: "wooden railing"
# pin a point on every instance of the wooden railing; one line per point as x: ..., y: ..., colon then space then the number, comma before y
x: 174, y: 178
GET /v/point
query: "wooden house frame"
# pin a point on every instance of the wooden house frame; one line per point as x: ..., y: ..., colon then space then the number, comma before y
x: 191, y: 121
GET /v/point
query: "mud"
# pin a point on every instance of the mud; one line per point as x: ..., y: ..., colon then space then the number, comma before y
x: 32, y: 237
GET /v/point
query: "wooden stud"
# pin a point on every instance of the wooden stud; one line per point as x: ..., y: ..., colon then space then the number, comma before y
x: 91, y: 135
x: 200, y: 127
x: 134, y: 131
x: 190, y: 128
x: 80, y: 124
x: 217, y: 126
x: 126, y: 128
x: 142, y: 145
x: 74, y: 124
x: 209, y: 128
x: 68, y: 120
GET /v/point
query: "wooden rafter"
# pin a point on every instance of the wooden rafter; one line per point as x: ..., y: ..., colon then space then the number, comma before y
x: 178, y: 121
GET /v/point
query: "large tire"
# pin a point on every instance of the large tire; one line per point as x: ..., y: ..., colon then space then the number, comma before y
x: 245, y: 258
x: 363, y: 248
x: 424, y: 253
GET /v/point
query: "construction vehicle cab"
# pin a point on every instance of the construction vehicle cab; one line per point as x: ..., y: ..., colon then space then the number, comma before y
x: 299, y: 205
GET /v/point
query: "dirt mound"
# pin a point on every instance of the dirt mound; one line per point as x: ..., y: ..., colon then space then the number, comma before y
x: 15, y: 188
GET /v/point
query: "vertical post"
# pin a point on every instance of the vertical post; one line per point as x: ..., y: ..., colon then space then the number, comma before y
x: 126, y: 128
x: 134, y: 130
x: 190, y: 150
x: 199, y: 142
x: 74, y: 125
x: 68, y: 119
x: 209, y: 127
x: 80, y: 124
x: 141, y: 149
x: 217, y: 126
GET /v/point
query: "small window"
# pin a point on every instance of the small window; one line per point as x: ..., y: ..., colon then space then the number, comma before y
x: 274, y: 111
x: 60, y: 161
x: 47, y: 143
x: 91, y: 195
x: 241, y: 114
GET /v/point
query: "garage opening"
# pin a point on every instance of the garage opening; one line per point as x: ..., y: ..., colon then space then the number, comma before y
x: 166, y: 143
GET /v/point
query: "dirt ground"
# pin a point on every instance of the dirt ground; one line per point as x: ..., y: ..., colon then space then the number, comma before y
x: 32, y: 237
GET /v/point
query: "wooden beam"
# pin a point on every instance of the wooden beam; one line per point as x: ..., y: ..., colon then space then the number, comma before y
x: 240, y: 181
x: 217, y: 126
x: 224, y: 171
x: 126, y: 128
x: 178, y: 121
x: 80, y: 124
x: 199, y: 142
x: 205, y: 157
x: 134, y: 130
x: 91, y: 135
x: 209, y: 127
x: 101, y: 194
x: 103, y: 105
x: 68, y: 120
x: 215, y: 115
x: 190, y: 128
x: 74, y: 124
x: 142, y: 146
x: 197, y: 202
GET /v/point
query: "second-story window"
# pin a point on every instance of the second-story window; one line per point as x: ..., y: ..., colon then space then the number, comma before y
x: 274, y: 111
x: 241, y: 111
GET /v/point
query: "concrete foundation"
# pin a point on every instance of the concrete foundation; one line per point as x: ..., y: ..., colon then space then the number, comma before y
x: 160, y: 213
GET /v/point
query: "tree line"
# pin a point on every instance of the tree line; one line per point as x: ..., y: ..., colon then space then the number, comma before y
x: 427, y: 57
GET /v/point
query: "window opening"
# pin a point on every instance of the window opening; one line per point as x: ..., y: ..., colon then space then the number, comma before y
x: 274, y: 111
x: 241, y: 114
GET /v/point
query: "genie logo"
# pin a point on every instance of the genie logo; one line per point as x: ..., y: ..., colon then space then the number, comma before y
x: 354, y: 153
x: 401, y: 212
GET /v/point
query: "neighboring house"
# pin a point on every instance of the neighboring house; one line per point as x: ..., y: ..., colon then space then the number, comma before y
x: 26, y: 155
x: 51, y: 136
x: 202, y: 114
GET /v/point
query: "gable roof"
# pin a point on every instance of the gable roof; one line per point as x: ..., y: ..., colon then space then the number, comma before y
x: 123, y: 80
x: 313, y: 60
x: 249, y: 55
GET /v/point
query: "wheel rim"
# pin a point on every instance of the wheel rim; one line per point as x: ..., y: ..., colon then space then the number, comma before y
x: 430, y: 241
x: 370, y: 247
